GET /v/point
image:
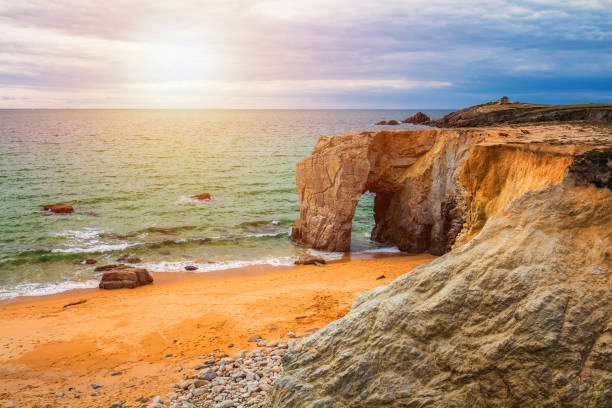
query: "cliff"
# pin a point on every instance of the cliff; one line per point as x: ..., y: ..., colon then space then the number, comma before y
x: 435, y: 188
x: 497, y: 113
x: 519, y: 316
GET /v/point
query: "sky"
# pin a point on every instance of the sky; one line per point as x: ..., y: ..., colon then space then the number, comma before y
x: 303, y: 54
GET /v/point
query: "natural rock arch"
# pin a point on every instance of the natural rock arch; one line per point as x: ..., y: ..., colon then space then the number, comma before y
x: 433, y: 187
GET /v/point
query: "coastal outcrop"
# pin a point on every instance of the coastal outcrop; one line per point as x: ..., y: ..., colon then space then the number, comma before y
x: 518, y: 316
x: 435, y: 188
x: 417, y: 118
x: 505, y: 112
x: 125, y: 277
x: 59, y: 208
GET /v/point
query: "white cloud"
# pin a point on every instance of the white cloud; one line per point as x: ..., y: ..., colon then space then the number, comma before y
x: 270, y: 48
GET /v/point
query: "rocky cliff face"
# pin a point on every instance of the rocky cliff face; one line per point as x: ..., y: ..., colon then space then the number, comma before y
x: 433, y: 187
x: 519, y: 316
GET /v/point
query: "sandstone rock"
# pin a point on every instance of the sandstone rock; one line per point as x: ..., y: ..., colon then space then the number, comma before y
x: 417, y: 118
x: 90, y: 262
x: 127, y: 258
x: 434, y: 188
x: 520, y: 316
x: 393, y: 123
x: 103, y: 268
x: 309, y: 260
x: 118, y: 278
x: 203, y: 196
x: 59, y: 208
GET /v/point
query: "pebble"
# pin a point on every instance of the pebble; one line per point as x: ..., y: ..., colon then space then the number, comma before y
x: 116, y: 373
x: 254, y: 339
x: 95, y: 386
x: 242, y: 381
x: 116, y: 404
x: 60, y: 394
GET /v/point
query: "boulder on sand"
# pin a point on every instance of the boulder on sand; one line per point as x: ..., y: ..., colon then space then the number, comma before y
x: 59, y: 208
x: 125, y: 277
x: 417, y: 118
x: 203, y: 196
x: 309, y: 260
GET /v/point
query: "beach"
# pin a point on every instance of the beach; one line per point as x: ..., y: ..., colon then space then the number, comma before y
x: 48, y: 349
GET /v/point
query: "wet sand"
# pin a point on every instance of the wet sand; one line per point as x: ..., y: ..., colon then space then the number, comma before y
x: 48, y: 348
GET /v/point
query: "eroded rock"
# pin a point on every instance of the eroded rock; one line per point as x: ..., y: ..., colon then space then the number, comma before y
x: 435, y: 189
x: 518, y: 316
x: 125, y: 277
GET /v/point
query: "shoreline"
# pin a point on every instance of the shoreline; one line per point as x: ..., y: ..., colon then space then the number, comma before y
x: 162, y: 278
x: 49, y: 349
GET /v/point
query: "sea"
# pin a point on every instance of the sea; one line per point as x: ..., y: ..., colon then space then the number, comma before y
x: 130, y: 176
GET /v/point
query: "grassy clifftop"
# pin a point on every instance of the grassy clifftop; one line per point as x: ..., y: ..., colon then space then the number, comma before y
x: 496, y: 113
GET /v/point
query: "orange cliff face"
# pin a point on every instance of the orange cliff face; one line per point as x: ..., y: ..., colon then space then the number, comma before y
x: 435, y: 188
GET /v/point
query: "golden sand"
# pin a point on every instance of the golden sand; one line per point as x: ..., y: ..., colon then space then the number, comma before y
x: 47, y: 348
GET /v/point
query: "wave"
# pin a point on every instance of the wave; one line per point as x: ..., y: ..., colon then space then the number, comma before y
x: 42, y: 289
x: 216, y: 266
x: 89, y: 240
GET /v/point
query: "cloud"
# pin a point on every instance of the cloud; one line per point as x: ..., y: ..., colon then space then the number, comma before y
x: 72, y: 51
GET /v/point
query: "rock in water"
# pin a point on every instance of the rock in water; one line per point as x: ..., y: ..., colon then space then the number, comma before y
x: 393, y: 123
x: 103, y: 268
x: 520, y: 316
x: 381, y: 123
x: 125, y: 277
x: 59, y: 208
x: 203, y: 196
x: 417, y: 118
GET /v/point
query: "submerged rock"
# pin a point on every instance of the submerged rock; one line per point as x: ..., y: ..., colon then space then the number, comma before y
x: 59, y: 208
x: 127, y: 258
x: 103, y: 268
x: 520, y: 316
x: 125, y: 277
x: 417, y: 118
x: 203, y: 196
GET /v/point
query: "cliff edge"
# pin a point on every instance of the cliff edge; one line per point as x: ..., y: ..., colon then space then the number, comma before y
x: 519, y: 316
x: 435, y: 188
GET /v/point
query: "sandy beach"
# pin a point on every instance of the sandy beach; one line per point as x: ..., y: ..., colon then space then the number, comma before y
x: 49, y: 349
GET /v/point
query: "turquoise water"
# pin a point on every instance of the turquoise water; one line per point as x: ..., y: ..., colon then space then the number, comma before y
x: 129, y: 174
